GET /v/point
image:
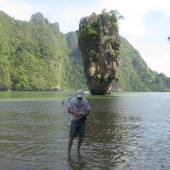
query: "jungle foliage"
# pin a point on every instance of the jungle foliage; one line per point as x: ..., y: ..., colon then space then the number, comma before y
x: 135, y: 75
x: 35, y: 55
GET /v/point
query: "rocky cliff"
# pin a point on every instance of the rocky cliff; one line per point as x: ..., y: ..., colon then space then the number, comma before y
x: 99, y: 43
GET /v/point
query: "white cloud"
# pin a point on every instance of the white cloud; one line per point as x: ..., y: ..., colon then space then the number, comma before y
x: 156, y: 56
x: 16, y: 10
x: 134, y: 12
x: 70, y: 19
x: 133, y: 26
x: 159, y: 60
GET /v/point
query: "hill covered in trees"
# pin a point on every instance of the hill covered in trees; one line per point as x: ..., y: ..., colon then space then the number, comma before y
x: 35, y: 55
x: 135, y: 75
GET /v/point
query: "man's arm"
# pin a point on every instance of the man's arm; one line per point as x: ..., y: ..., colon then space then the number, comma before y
x: 86, y: 113
x: 87, y: 109
x: 72, y: 112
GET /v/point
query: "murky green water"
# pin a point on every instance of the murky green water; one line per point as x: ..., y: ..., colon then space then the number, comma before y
x: 124, y: 131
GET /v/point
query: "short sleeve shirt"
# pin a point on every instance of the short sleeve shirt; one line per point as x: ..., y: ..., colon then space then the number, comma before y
x: 78, y: 106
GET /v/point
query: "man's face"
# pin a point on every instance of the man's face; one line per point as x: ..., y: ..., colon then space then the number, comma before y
x: 79, y: 98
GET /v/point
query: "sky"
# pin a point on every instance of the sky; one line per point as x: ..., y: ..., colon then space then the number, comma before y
x: 146, y: 25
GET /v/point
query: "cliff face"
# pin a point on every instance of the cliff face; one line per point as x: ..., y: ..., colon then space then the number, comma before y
x: 99, y: 43
x: 34, y: 55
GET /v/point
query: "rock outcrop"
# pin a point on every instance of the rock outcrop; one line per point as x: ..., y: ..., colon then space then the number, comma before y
x: 99, y: 43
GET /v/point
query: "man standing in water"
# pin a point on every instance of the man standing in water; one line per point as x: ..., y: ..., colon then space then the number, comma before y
x: 79, y: 108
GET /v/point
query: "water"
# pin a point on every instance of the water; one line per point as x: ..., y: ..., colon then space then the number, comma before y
x: 124, y: 131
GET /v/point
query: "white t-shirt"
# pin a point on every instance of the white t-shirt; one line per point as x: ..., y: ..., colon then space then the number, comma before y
x: 78, y: 106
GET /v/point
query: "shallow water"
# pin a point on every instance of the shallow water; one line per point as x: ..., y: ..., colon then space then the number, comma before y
x: 123, y: 131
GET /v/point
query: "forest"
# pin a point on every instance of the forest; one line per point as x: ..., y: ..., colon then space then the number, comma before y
x: 35, y: 55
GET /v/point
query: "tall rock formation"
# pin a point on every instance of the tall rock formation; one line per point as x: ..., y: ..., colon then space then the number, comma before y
x: 99, y: 43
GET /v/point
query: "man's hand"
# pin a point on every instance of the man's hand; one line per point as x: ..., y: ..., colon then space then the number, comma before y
x: 77, y: 114
x: 82, y: 115
x: 86, y: 113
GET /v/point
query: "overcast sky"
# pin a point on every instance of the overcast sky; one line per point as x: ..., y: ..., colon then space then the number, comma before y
x: 146, y: 25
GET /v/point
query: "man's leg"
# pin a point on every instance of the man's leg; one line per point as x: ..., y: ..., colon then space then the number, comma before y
x: 73, y: 132
x: 70, y: 142
x: 81, y: 135
x: 79, y: 144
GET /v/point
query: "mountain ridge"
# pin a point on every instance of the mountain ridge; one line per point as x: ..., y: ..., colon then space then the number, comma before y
x: 39, y: 57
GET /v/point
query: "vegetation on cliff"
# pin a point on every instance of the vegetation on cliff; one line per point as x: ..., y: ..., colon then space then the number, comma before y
x: 135, y: 75
x: 35, y: 55
x: 99, y: 43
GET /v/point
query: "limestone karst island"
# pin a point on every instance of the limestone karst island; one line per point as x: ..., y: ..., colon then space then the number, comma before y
x: 99, y: 43
x: 36, y: 55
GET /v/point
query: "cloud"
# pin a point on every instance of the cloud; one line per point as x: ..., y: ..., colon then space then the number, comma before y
x: 134, y: 12
x: 16, y: 10
x: 71, y: 18
x: 159, y: 60
x: 155, y: 55
x: 133, y: 27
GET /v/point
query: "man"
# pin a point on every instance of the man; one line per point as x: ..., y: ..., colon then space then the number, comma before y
x: 79, y: 108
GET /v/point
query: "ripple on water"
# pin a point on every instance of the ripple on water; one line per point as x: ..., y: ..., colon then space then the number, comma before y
x: 123, y: 132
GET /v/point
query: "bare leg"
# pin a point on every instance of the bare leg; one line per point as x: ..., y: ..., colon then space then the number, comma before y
x: 70, y: 145
x: 79, y: 144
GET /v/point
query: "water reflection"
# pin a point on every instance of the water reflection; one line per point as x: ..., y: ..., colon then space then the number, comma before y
x: 76, y: 162
x: 105, y: 133
x: 107, y: 136
x: 123, y: 132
